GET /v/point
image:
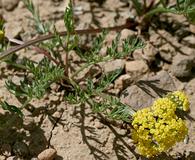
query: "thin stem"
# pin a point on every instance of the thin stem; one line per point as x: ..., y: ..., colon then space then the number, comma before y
x: 158, y: 10
x: 105, y: 96
x: 50, y: 36
x: 43, y: 51
x: 38, y: 49
x: 138, y: 7
x: 20, y: 66
x: 61, y: 44
x: 67, y: 54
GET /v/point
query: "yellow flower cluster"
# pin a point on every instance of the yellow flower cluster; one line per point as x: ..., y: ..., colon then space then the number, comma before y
x: 180, y: 99
x: 157, y: 128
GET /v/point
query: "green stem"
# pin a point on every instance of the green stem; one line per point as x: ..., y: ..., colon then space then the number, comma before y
x: 50, y: 36
x: 138, y: 7
x: 67, y: 53
x: 20, y: 66
x: 25, y: 103
x: 105, y: 96
x: 160, y: 10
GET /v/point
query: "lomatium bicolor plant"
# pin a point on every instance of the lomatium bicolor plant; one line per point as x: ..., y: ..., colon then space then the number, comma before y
x: 157, y: 128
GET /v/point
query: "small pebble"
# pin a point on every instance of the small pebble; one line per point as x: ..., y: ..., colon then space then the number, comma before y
x: 10, y: 5
x: 98, y: 125
x: 48, y: 154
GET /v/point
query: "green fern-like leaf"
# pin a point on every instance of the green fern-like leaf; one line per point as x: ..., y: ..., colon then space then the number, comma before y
x: 44, y: 74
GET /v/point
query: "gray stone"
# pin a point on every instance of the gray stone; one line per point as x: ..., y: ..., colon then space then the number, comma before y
x: 98, y: 125
x: 126, y: 33
x: 123, y: 81
x: 17, y: 79
x: 136, y: 67
x: 192, y: 104
x: 149, y: 52
x: 190, y: 87
x: 113, y: 65
x: 80, y: 7
x: 167, y: 52
x: 189, y: 39
x: 10, y: 5
x: 13, y: 29
x: 155, y: 39
x: 138, y: 54
x: 143, y: 93
x: 192, y: 28
x: 48, y: 154
x: 182, y: 65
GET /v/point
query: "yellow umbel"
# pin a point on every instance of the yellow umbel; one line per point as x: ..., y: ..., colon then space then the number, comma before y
x: 158, y: 128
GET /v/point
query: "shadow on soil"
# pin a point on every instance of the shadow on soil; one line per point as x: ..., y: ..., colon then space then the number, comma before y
x: 22, y: 136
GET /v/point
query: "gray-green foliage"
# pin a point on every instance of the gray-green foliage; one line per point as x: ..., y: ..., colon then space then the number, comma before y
x: 35, y: 84
x: 185, y: 7
x: 107, y: 105
x: 11, y: 108
x: 130, y: 44
x: 39, y: 26
x: 41, y: 75
x: 68, y: 18
x: 113, y: 108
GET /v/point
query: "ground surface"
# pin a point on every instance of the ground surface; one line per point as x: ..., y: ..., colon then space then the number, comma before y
x: 167, y: 63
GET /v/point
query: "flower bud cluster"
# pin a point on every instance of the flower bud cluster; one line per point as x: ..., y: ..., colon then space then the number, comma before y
x: 157, y: 128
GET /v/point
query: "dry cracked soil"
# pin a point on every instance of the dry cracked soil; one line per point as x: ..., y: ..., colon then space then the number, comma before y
x: 167, y: 63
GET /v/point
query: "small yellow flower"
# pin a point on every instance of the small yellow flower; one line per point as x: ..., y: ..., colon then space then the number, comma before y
x: 181, y: 99
x: 157, y: 128
x: 2, y: 35
x: 164, y: 108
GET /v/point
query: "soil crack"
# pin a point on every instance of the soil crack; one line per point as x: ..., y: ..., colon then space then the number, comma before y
x: 54, y: 126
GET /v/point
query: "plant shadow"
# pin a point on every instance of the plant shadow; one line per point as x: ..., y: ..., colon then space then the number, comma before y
x: 149, y: 86
x: 91, y: 138
x: 14, y: 131
x: 28, y: 132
